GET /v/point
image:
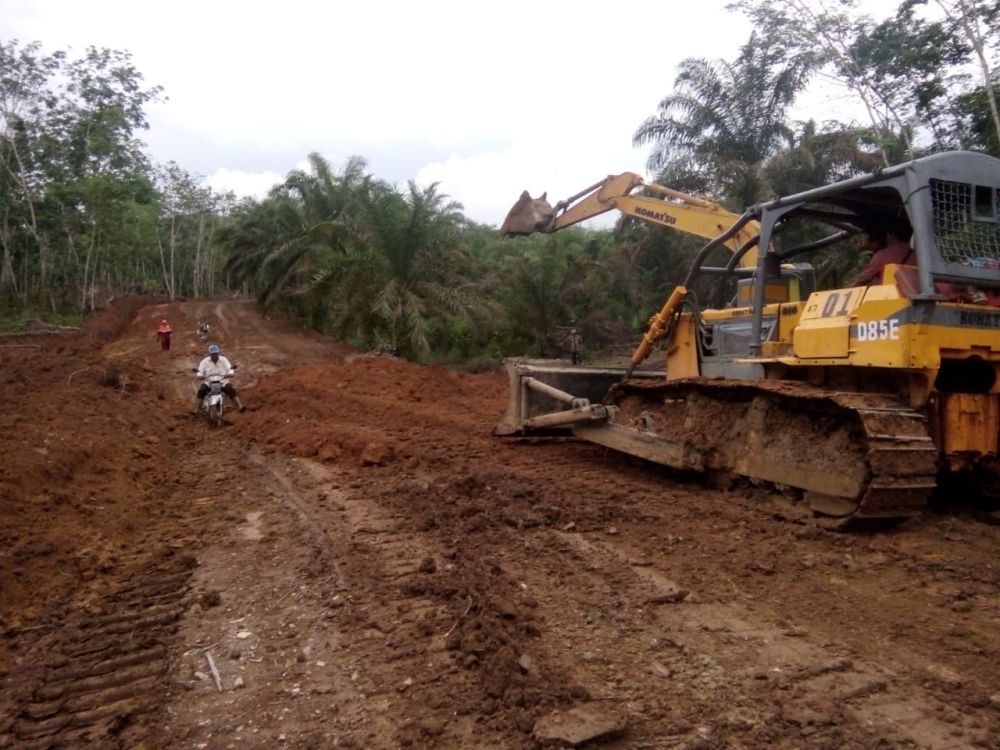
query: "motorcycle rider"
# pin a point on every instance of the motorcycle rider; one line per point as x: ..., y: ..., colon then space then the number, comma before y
x: 216, y: 364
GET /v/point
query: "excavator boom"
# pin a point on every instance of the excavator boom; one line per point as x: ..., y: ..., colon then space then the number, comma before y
x: 677, y: 210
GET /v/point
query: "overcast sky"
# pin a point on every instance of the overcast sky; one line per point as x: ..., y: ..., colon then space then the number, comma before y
x: 487, y: 99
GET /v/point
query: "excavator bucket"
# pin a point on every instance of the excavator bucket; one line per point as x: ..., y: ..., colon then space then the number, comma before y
x: 529, y: 215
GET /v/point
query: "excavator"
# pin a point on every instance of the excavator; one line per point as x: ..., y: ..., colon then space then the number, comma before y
x: 863, y: 399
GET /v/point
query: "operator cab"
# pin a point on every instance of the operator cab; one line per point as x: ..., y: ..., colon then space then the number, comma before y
x: 950, y: 200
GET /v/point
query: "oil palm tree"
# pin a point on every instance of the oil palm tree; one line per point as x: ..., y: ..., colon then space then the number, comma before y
x: 400, y: 265
x: 728, y: 118
x: 280, y: 242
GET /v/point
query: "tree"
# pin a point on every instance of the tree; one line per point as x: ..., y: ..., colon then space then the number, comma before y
x: 72, y: 166
x: 24, y: 100
x: 818, y: 157
x: 725, y: 119
x: 979, y: 23
x: 401, y: 264
x: 190, y: 213
x: 538, y: 279
x: 906, y: 70
x: 281, y: 242
x: 910, y: 64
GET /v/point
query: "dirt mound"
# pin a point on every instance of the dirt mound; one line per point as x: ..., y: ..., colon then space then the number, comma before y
x: 114, y: 320
x: 83, y: 457
x: 348, y: 410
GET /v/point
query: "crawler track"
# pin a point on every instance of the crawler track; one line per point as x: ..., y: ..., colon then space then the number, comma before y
x: 854, y: 455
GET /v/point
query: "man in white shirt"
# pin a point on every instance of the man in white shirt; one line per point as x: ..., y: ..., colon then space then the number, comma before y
x: 216, y: 364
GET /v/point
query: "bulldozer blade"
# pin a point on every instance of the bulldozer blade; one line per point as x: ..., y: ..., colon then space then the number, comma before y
x: 529, y: 215
x: 547, y: 396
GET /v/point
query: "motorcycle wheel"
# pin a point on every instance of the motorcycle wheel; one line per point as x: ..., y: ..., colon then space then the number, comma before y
x: 214, y: 415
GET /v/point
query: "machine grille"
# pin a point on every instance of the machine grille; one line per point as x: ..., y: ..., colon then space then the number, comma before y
x: 966, y: 224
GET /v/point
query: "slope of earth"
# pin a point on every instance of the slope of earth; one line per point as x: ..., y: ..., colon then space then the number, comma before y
x: 355, y: 562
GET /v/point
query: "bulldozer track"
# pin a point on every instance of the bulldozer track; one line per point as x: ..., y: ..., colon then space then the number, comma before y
x: 104, y: 664
x: 100, y: 670
x: 902, y: 458
x: 855, y: 455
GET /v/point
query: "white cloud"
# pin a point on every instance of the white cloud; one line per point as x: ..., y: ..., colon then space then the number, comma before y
x: 488, y: 100
x: 488, y: 183
x: 244, y: 184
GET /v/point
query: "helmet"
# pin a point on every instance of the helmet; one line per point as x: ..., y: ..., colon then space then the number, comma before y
x: 214, y: 349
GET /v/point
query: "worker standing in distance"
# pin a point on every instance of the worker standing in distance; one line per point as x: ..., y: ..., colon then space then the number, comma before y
x: 163, y: 335
x: 574, y: 342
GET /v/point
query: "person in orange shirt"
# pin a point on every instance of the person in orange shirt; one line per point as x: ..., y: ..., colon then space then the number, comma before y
x: 889, y: 243
x: 163, y: 335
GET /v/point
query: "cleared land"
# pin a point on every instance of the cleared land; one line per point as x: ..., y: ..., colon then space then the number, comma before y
x: 360, y: 564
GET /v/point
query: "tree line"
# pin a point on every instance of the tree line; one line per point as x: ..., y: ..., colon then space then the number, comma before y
x: 85, y: 215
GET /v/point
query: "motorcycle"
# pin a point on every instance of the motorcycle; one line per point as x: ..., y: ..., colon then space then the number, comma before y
x: 213, y: 405
x: 204, y: 329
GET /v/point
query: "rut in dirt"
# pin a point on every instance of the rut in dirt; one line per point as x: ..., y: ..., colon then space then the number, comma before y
x: 96, y: 670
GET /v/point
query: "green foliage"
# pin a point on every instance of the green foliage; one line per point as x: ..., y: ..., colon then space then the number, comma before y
x: 974, y: 122
x: 372, y: 265
x: 724, y: 119
x: 85, y: 215
x: 19, y: 319
x: 910, y: 70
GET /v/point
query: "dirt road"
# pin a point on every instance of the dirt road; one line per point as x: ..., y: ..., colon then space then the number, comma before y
x: 355, y: 562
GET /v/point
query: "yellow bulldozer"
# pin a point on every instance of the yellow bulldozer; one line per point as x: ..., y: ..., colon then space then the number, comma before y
x: 865, y: 398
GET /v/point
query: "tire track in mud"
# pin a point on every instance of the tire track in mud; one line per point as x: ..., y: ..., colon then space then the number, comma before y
x: 102, y: 670
x: 461, y: 666
x: 813, y: 682
x: 323, y: 613
x: 775, y: 674
x: 756, y: 672
x: 399, y: 619
x: 98, y: 677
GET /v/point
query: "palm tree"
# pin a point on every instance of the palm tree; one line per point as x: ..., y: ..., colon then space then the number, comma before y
x: 400, y: 265
x: 818, y: 158
x: 543, y: 282
x: 727, y: 118
x: 280, y: 242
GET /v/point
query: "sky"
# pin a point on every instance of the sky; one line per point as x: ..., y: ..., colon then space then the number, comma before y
x: 485, y: 99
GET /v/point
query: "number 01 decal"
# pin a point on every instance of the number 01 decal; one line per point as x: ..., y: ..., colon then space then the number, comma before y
x: 830, y: 307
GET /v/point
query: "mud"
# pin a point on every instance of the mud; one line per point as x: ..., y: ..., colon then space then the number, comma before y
x: 355, y: 562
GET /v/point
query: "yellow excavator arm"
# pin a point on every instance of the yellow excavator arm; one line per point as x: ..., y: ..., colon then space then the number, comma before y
x: 677, y: 210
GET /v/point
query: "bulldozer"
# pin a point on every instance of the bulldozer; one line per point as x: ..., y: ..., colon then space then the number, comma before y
x: 862, y: 399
